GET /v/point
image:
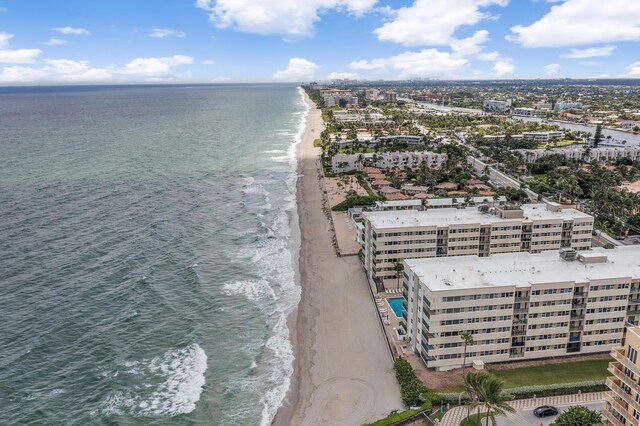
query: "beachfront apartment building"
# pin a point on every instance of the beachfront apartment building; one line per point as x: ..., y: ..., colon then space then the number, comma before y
x: 332, y: 97
x: 520, y: 306
x: 371, y: 94
x: 493, y: 105
x: 392, y: 236
x: 598, y: 154
x: 622, y: 402
x: 342, y: 163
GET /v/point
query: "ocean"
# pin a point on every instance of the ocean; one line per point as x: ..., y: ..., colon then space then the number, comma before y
x: 147, y: 253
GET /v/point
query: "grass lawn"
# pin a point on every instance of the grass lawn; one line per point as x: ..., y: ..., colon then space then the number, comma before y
x: 560, y: 143
x: 568, y: 372
x: 472, y: 420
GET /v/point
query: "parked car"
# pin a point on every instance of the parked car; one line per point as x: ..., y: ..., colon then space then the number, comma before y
x: 620, y: 237
x: 545, y: 411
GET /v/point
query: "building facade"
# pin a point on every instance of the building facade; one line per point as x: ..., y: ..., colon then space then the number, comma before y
x: 590, y: 154
x: 390, y: 237
x: 520, y: 306
x: 622, y: 402
x: 493, y: 105
x: 341, y: 163
x: 332, y: 97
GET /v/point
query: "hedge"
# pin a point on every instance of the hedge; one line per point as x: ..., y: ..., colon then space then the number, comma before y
x: 354, y: 201
x: 524, y: 392
x: 411, y: 388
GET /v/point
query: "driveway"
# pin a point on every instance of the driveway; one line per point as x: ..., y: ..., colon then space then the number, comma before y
x: 525, y: 417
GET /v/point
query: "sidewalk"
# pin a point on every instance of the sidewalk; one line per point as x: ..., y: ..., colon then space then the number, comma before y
x: 454, y: 416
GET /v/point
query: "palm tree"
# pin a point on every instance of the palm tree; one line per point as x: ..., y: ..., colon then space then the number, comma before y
x: 399, y: 267
x: 494, y: 399
x: 473, y: 386
x: 467, y: 339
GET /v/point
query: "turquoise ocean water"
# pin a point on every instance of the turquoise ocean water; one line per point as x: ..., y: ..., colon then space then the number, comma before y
x: 146, y: 253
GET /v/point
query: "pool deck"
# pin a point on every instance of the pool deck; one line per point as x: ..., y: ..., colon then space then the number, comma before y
x: 391, y: 324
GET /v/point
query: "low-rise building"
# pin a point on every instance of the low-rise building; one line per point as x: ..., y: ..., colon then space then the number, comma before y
x: 590, y: 154
x: 341, y: 163
x: 622, y: 403
x: 524, y: 112
x: 560, y: 106
x: 520, y: 306
x: 493, y: 105
x: 544, y: 137
x: 391, y: 237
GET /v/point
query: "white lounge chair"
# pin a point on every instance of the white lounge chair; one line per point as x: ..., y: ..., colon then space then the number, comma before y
x: 383, y: 310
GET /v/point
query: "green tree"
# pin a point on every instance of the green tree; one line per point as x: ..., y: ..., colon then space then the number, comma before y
x: 473, y: 386
x: 467, y: 340
x: 597, y: 137
x: 492, y: 397
x: 578, y: 416
x: 399, y: 268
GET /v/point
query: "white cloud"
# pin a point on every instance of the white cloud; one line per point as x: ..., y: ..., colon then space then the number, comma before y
x: 552, y: 69
x: 342, y: 76
x: 68, y: 70
x: 155, y: 67
x: 71, y: 31
x: 166, y: 32
x: 297, y: 69
x: 75, y: 71
x: 284, y: 17
x: 634, y: 69
x: 208, y: 62
x: 489, y: 56
x: 433, y: 22
x: 4, y: 39
x: 591, y: 52
x: 425, y: 63
x: 16, y: 56
x: 580, y: 22
x: 471, y: 45
x: 502, y: 68
x: 17, y: 74
x: 55, y: 42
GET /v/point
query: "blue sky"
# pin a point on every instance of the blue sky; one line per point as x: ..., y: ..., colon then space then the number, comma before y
x: 97, y: 41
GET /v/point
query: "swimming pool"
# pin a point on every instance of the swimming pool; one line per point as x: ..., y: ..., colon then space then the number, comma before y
x: 395, y: 303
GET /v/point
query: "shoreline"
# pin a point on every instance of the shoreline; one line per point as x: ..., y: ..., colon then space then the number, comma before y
x: 342, y: 372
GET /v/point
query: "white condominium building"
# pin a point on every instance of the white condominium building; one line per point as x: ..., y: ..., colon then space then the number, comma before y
x: 497, y: 106
x: 341, y: 163
x: 391, y: 236
x: 584, y: 154
x: 332, y: 97
x: 524, y: 112
x: 543, y: 137
x: 520, y: 306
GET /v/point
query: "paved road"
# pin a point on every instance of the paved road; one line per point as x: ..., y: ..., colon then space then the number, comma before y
x: 525, y: 417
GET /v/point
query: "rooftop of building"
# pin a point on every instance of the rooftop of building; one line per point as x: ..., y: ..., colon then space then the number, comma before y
x: 453, y: 216
x: 524, y: 269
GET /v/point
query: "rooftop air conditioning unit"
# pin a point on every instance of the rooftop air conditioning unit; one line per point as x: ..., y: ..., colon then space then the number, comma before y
x: 568, y: 254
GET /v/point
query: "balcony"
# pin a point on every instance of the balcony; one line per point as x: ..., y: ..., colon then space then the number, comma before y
x: 615, y: 368
x: 520, y: 321
x: 578, y: 305
x: 619, y: 407
x: 518, y: 332
x: 522, y: 299
x: 618, y: 355
x: 634, y: 290
x: 611, y: 418
x: 614, y: 385
x: 517, y: 344
x: 520, y: 311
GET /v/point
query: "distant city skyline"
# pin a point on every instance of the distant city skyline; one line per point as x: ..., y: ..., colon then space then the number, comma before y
x: 207, y: 41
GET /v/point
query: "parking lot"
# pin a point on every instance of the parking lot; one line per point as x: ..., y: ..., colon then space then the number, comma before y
x: 525, y: 416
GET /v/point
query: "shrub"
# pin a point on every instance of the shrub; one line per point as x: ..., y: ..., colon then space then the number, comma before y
x: 411, y: 388
x: 353, y: 201
x: 578, y: 416
x: 524, y: 392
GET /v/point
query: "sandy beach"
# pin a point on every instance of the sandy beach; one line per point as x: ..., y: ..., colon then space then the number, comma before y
x: 343, y: 370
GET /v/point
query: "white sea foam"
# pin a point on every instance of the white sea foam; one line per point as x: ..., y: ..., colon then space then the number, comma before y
x: 275, y: 263
x: 254, y: 290
x: 175, y: 378
x: 275, y: 151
